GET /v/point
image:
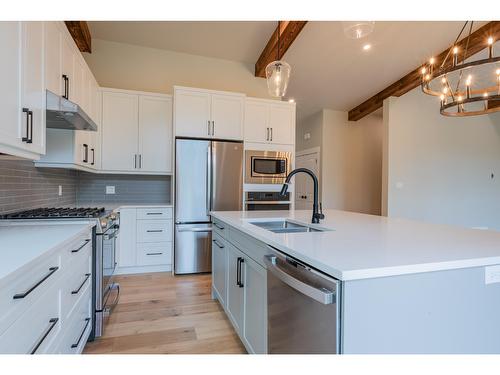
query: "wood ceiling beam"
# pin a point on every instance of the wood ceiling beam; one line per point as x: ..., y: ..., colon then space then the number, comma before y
x: 80, y: 32
x: 289, y: 30
x: 477, y: 42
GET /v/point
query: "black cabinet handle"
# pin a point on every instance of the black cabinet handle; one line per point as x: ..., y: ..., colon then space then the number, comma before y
x: 86, y: 154
x: 37, y: 284
x: 239, y: 262
x: 52, y: 324
x: 66, y: 86
x: 155, y: 231
x: 87, y: 275
x: 30, y: 115
x: 218, y: 226
x: 218, y: 244
x: 140, y: 161
x: 27, y: 111
x: 154, y: 213
x: 93, y: 156
x: 87, y: 321
x: 154, y: 253
x: 81, y: 247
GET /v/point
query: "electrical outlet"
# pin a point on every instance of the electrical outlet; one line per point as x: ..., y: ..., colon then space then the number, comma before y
x: 491, y: 274
x: 60, y: 190
x: 110, y: 190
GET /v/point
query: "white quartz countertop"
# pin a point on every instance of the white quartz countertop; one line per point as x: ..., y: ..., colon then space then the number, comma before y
x: 363, y: 246
x: 23, y: 243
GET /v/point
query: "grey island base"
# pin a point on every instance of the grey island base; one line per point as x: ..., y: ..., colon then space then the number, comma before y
x: 357, y: 284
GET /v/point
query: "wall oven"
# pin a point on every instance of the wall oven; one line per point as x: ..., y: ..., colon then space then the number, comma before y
x: 267, y: 167
x: 266, y: 200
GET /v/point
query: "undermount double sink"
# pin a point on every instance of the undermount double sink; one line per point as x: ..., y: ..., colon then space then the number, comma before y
x: 285, y: 226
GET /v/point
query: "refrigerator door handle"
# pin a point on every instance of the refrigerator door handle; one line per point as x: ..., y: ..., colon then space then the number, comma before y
x: 202, y: 229
x: 208, y: 180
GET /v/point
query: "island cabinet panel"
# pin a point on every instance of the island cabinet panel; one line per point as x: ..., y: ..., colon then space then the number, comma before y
x: 219, y: 276
x: 235, y: 296
x: 452, y: 311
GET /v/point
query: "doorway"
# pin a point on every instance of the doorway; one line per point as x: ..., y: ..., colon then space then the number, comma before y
x: 309, y: 159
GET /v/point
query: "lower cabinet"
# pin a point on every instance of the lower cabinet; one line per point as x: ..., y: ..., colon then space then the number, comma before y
x: 239, y: 282
x: 49, y: 309
x: 145, y: 240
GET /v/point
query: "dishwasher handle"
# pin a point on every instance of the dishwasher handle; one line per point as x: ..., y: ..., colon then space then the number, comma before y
x: 322, y: 295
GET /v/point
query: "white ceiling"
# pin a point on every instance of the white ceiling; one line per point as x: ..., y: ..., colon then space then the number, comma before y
x: 328, y: 69
x: 237, y: 41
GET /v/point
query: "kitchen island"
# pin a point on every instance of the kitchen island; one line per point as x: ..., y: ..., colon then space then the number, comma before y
x: 403, y: 286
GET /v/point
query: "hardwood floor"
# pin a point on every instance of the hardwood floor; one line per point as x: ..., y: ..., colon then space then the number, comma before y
x: 161, y: 313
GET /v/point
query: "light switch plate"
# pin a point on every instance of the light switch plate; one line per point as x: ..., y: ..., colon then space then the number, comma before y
x: 110, y: 189
x: 492, y: 274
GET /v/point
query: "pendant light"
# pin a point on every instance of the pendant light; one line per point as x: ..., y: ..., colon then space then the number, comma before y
x: 278, y: 73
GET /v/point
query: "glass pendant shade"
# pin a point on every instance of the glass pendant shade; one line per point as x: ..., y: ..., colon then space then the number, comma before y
x: 358, y: 29
x: 277, y: 75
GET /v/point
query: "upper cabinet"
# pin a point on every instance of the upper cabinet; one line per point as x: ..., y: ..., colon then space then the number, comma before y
x: 269, y: 121
x: 22, y: 100
x: 136, y: 132
x: 202, y: 113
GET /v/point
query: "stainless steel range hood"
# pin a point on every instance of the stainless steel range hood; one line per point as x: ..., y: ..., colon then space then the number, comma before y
x: 63, y: 114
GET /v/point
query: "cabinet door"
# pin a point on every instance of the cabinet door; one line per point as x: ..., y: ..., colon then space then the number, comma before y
x: 68, y: 66
x: 256, y: 121
x: 32, y: 78
x: 127, y: 239
x: 155, y: 134
x: 11, y: 129
x: 119, y: 131
x: 227, y: 116
x: 255, y: 323
x: 219, y: 258
x: 82, y: 148
x: 192, y: 113
x: 53, y: 59
x: 80, y: 84
x: 282, y: 123
x: 235, y: 295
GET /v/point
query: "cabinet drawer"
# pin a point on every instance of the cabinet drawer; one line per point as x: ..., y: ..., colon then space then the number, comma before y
x: 154, y: 254
x: 22, y: 290
x: 154, y: 213
x: 250, y: 246
x: 154, y: 230
x: 35, y: 330
x: 77, y: 281
x: 77, y: 328
x: 83, y: 244
x: 220, y: 228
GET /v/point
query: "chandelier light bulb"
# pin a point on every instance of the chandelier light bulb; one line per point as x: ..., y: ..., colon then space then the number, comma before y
x: 485, y: 95
x: 443, y: 80
x: 490, y: 40
x: 490, y: 47
x: 424, y: 70
x: 497, y: 72
x: 469, y: 80
x: 459, y: 98
x: 445, y: 90
x: 432, y: 60
x: 427, y: 77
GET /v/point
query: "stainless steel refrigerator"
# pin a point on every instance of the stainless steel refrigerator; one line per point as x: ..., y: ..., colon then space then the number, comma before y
x: 208, y: 176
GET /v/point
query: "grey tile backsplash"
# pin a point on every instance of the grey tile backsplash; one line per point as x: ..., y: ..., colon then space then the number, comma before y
x: 22, y: 186
x: 129, y: 189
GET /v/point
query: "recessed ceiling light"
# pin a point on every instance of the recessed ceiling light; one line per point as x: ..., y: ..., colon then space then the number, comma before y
x: 366, y: 47
x: 291, y: 100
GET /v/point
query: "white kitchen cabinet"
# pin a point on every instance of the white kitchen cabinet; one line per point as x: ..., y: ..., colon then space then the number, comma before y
x: 227, y: 116
x: 53, y: 58
x: 22, y: 91
x: 119, y: 131
x: 127, y: 238
x: 202, y: 113
x: 255, y: 297
x: 145, y: 240
x: 136, y: 132
x: 235, y: 290
x: 68, y: 57
x: 219, y: 274
x: 269, y: 121
x: 155, y: 133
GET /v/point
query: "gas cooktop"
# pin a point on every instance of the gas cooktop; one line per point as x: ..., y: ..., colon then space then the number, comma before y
x: 57, y: 213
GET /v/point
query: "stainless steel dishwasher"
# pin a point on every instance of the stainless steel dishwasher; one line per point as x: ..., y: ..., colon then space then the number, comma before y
x: 303, y: 307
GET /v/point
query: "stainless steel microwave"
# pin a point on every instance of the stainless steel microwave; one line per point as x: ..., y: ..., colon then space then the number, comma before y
x: 267, y: 167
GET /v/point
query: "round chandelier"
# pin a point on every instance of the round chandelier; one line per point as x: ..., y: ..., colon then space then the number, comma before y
x: 278, y: 73
x: 464, y: 86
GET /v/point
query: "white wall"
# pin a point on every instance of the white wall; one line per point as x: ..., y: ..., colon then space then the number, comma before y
x: 131, y: 67
x: 351, y: 159
x: 437, y: 168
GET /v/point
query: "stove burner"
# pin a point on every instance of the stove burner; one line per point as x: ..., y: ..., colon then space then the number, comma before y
x: 56, y: 213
